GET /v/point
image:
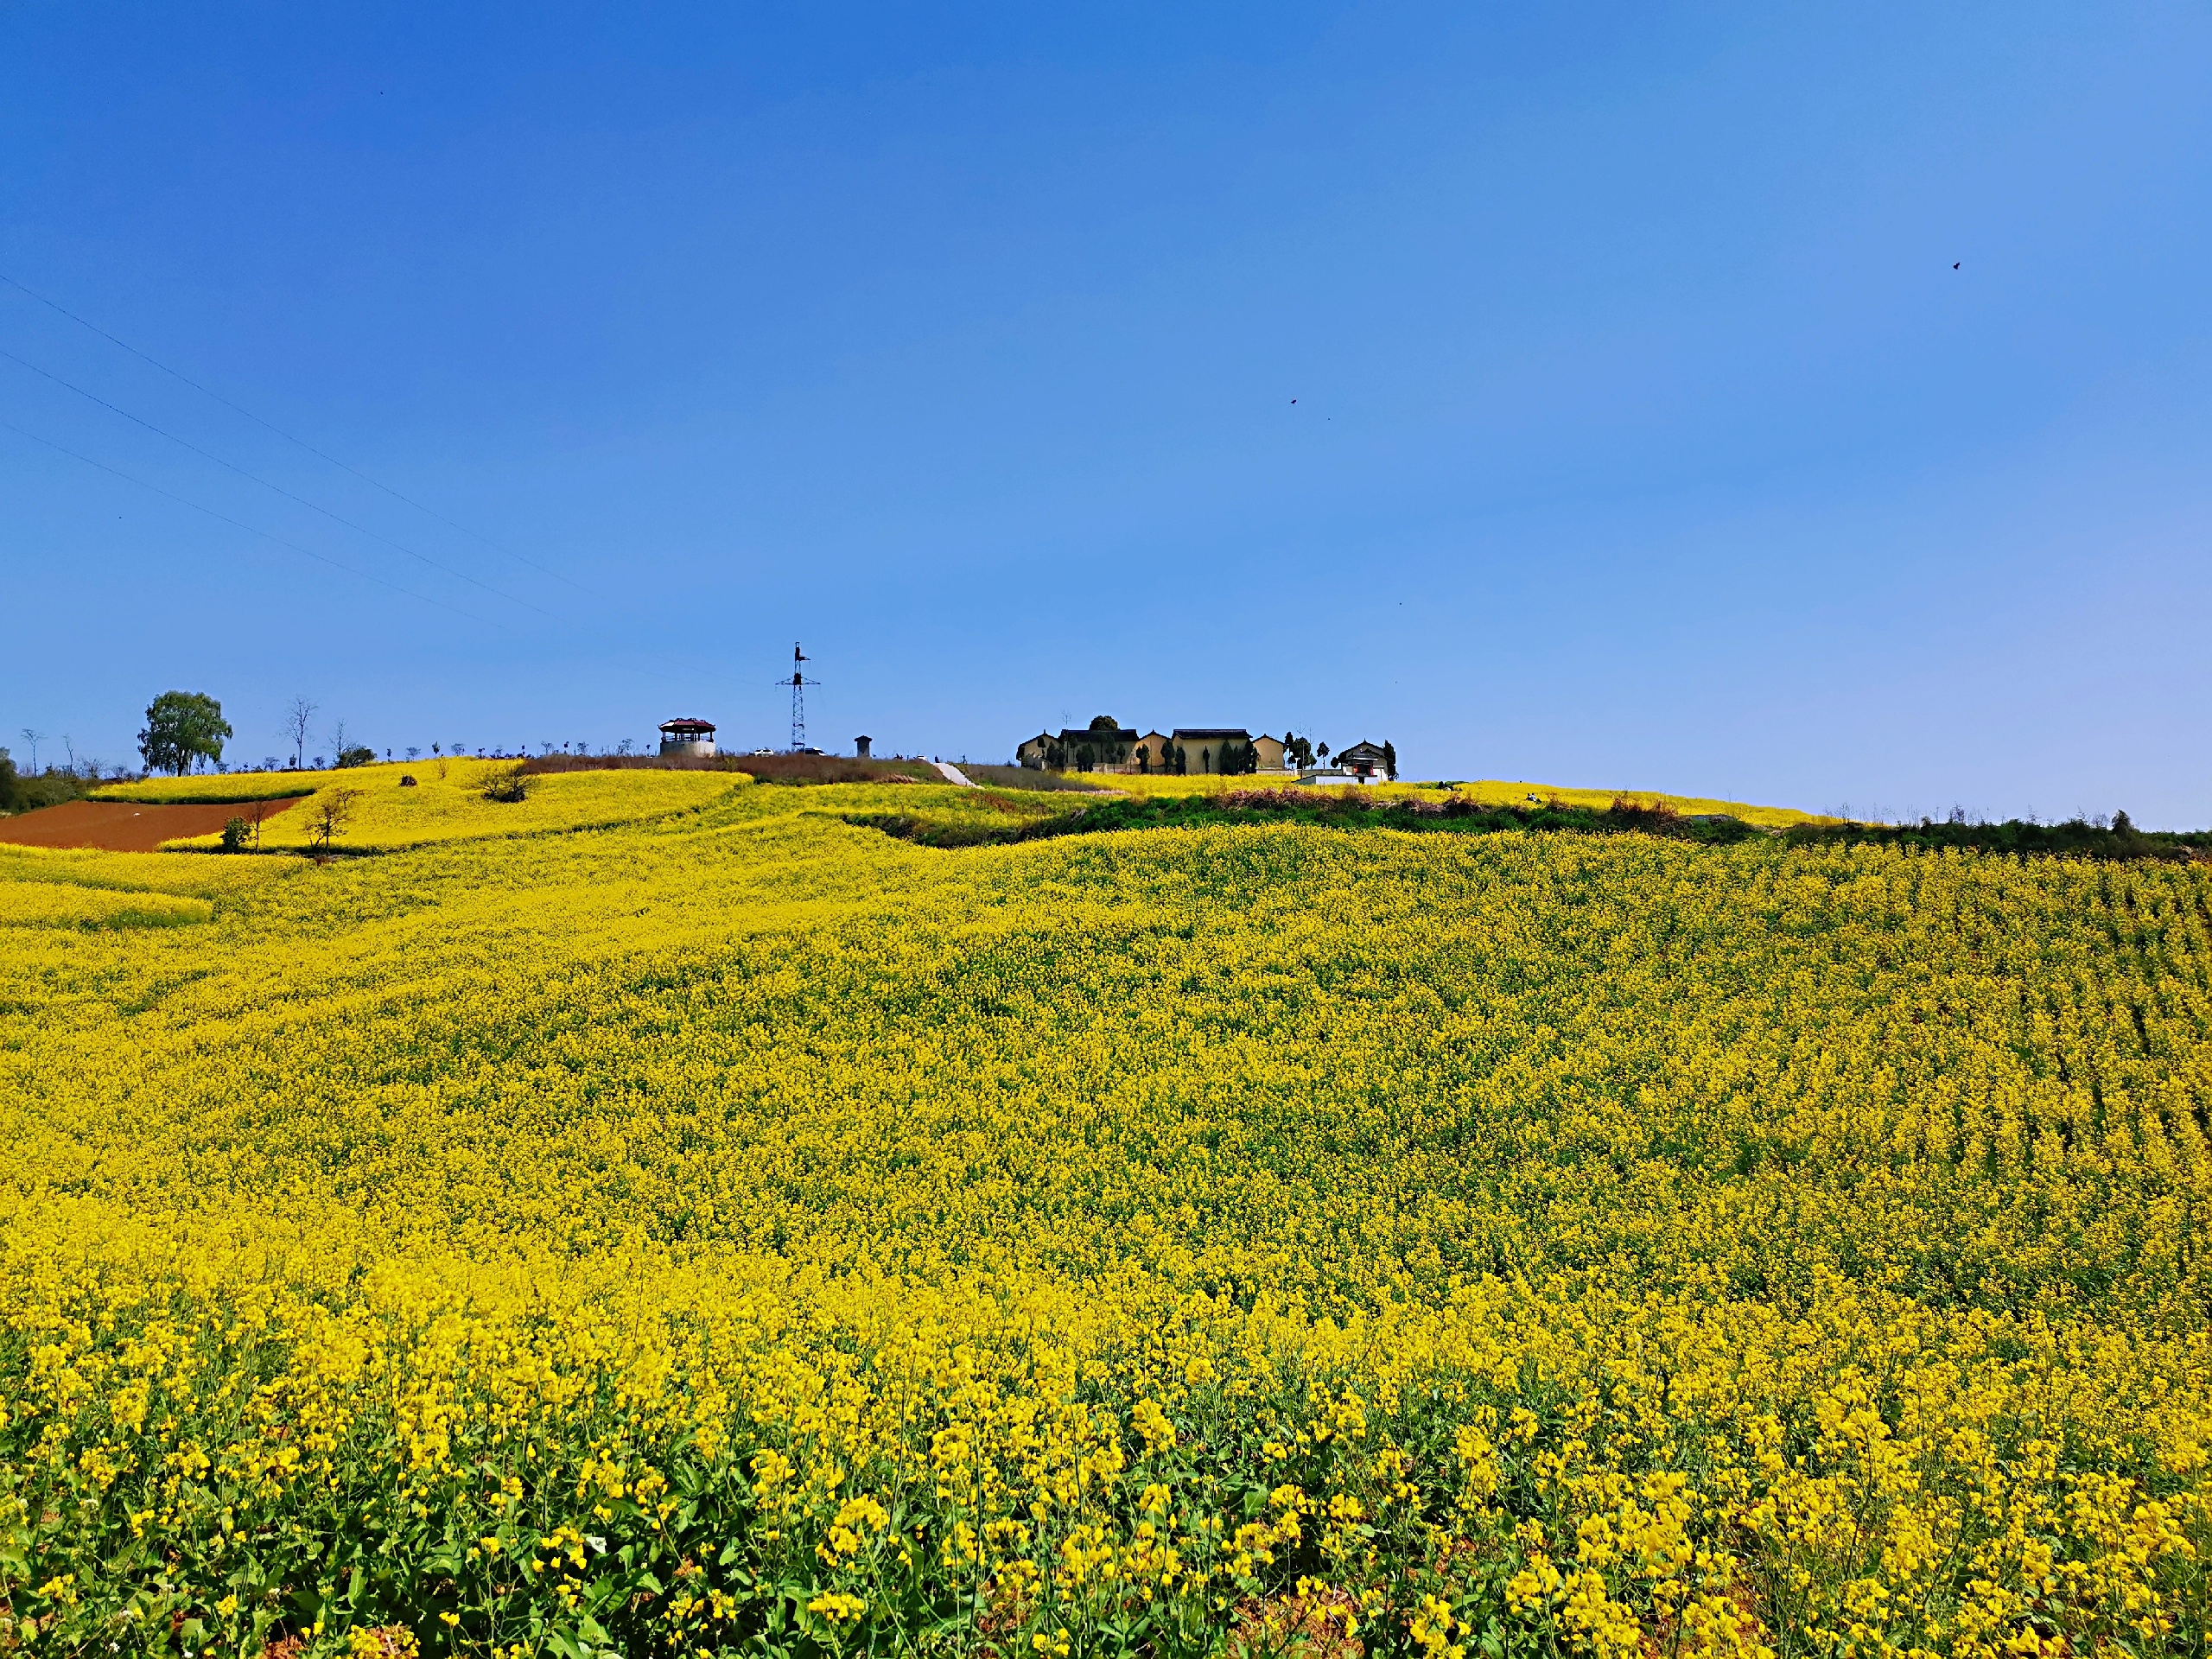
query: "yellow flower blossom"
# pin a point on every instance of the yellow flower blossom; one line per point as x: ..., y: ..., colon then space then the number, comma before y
x: 751, y: 1218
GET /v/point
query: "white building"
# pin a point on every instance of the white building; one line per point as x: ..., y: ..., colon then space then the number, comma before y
x: 685, y: 736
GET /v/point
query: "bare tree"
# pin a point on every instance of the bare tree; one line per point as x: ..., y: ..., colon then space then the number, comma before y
x: 34, y: 739
x: 332, y: 812
x: 299, y: 721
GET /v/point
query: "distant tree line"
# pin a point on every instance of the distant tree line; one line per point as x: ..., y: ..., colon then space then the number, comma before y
x: 22, y: 792
x: 2116, y: 837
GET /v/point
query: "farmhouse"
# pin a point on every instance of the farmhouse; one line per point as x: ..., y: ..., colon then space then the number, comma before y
x: 685, y: 736
x: 1363, y: 759
x: 1106, y: 745
x: 1207, y: 749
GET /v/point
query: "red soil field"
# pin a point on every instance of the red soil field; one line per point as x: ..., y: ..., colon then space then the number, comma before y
x: 126, y: 826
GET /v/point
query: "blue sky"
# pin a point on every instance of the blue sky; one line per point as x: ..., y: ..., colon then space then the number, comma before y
x: 1644, y: 434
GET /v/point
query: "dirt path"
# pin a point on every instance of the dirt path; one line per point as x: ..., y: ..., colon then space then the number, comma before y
x: 126, y: 826
x: 952, y: 774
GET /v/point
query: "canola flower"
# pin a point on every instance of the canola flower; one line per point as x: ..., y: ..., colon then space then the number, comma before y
x: 447, y: 802
x: 739, y: 1232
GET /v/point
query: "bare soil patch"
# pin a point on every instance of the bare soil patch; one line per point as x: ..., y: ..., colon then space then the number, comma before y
x: 122, y: 826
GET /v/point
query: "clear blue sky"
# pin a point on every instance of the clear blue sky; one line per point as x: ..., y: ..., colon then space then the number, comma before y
x: 1644, y: 433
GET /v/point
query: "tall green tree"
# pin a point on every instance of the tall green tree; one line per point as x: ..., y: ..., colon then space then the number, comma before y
x: 182, y: 726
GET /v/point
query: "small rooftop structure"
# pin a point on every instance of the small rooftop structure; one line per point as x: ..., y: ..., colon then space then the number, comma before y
x: 687, y: 735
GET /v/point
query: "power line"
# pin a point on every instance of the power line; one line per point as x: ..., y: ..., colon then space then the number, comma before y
x: 177, y: 374
x: 186, y: 443
x: 240, y: 524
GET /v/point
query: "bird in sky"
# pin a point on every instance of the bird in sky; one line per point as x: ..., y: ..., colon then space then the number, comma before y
x: 1294, y: 400
x: 1955, y: 265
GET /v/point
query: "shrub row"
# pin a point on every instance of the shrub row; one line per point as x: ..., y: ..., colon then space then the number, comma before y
x: 1335, y: 808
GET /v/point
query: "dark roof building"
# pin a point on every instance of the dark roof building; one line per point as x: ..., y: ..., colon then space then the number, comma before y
x: 1106, y: 745
x: 1363, y: 759
x: 1103, y: 745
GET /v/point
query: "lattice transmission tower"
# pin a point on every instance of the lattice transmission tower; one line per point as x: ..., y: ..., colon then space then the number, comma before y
x: 798, y: 684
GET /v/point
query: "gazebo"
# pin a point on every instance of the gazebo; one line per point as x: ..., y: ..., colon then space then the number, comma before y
x: 686, y: 735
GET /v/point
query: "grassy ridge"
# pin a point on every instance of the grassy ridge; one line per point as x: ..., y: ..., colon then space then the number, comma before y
x: 2075, y: 838
x: 221, y: 789
x: 1485, y: 791
x: 1464, y: 814
x: 1343, y: 809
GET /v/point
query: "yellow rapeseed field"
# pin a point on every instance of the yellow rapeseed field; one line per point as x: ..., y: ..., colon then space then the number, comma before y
x: 738, y: 1231
x: 445, y: 801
